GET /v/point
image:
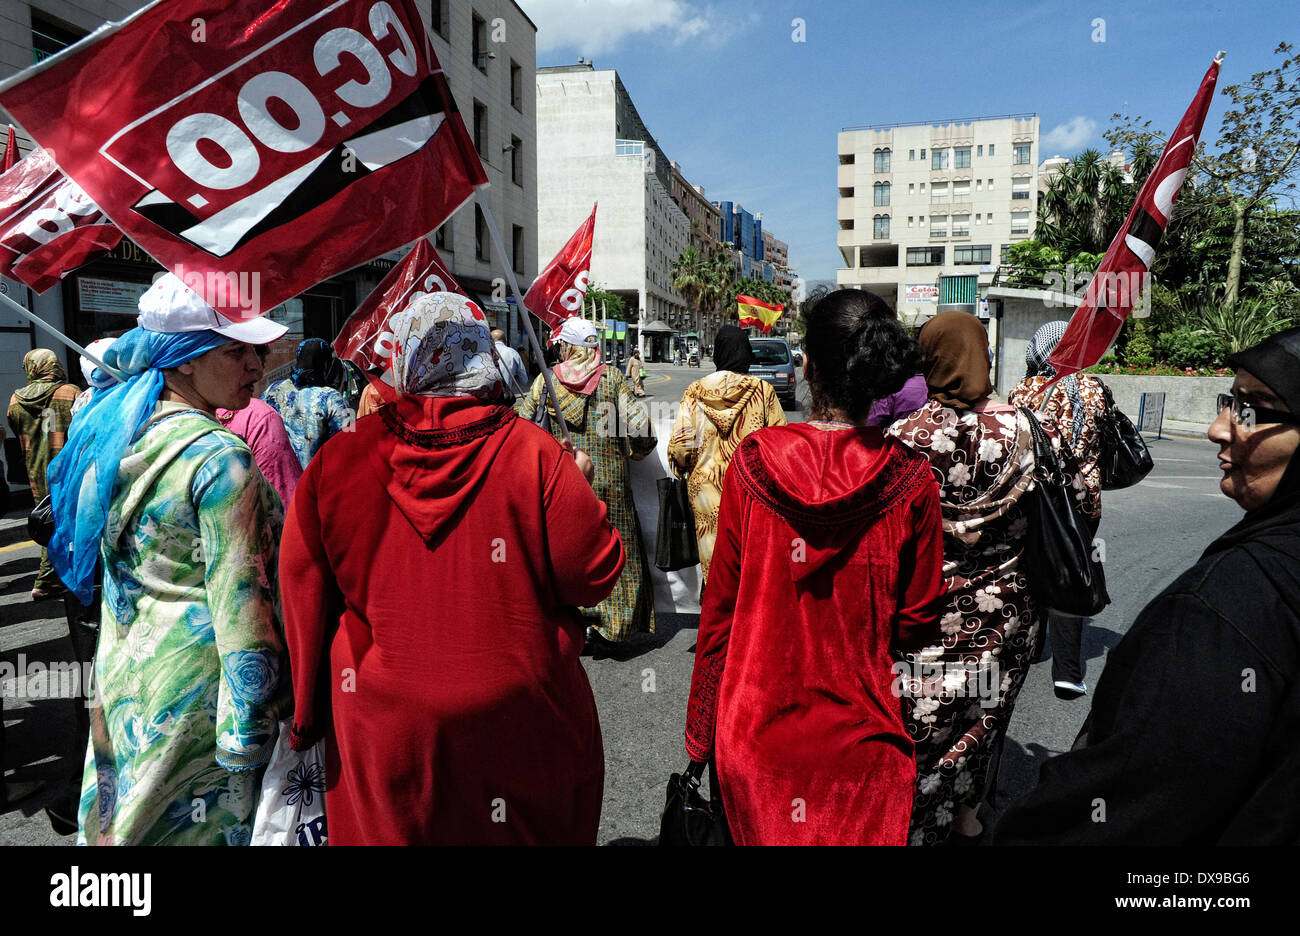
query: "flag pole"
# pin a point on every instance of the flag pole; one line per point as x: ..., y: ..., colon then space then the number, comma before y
x: 519, y: 298
x: 41, y: 323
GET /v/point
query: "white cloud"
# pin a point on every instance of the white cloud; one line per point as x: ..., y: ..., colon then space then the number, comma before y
x: 1068, y: 138
x: 597, y: 27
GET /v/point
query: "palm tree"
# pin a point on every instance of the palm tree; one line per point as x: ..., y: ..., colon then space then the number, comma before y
x: 1084, y: 206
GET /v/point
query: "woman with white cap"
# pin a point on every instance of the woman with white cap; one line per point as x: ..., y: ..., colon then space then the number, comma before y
x: 96, y: 379
x: 606, y: 421
x: 188, y: 676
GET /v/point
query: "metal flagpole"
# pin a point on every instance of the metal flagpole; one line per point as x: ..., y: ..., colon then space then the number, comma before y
x: 41, y: 323
x: 519, y: 298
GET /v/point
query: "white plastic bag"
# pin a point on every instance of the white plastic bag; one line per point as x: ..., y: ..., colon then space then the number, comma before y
x: 291, y: 806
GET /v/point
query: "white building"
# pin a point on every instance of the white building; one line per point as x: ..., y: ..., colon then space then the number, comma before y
x: 592, y: 147
x: 926, y: 210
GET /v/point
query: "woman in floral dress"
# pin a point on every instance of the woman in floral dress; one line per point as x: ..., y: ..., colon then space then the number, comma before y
x: 963, y: 688
x: 312, y: 410
x: 606, y: 421
x: 188, y: 682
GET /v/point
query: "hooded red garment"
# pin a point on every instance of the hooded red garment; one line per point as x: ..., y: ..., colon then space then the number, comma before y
x: 430, y: 568
x: 828, y: 563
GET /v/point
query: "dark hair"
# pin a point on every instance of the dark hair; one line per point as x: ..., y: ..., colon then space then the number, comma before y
x: 858, y: 352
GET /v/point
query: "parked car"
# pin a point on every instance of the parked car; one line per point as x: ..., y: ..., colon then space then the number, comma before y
x: 774, y: 363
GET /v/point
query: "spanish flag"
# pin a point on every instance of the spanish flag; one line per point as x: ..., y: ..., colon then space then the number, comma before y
x: 760, y: 314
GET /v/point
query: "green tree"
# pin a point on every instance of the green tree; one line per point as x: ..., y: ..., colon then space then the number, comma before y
x: 1084, y: 206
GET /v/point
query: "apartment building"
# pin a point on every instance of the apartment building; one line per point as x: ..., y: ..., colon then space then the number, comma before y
x: 593, y: 147
x: 926, y: 210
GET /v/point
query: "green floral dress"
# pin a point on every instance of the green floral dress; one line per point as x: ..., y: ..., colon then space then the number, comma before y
x: 191, y: 673
x: 609, y: 425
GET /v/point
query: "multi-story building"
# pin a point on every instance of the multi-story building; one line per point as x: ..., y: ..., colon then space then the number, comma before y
x: 704, y: 216
x: 593, y: 147
x: 744, y: 232
x: 487, y: 48
x: 927, y: 209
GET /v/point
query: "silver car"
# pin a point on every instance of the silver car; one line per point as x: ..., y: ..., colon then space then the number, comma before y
x: 774, y: 363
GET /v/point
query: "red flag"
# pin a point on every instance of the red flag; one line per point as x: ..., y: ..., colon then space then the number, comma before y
x: 560, y: 290
x: 1123, y: 271
x: 48, y: 226
x: 365, y: 338
x: 11, y: 149
x: 238, y: 138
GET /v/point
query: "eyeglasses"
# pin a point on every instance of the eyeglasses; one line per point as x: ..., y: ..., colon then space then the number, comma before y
x: 1249, y: 415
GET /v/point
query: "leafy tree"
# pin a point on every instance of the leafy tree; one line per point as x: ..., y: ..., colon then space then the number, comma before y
x: 603, y: 304
x: 1084, y: 206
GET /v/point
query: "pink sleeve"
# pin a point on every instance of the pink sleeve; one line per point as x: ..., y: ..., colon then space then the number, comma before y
x: 273, y: 452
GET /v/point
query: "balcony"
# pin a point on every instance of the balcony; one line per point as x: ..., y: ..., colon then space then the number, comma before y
x: 845, y: 178
x: 844, y: 209
x: 936, y: 234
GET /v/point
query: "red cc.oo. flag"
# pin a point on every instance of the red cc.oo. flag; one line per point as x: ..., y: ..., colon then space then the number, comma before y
x: 560, y: 290
x: 48, y: 226
x: 1122, y: 272
x: 235, y: 138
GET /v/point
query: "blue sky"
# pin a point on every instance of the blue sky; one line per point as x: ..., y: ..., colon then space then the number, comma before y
x: 752, y: 115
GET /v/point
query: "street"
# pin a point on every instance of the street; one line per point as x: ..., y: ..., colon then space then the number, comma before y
x: 1153, y: 532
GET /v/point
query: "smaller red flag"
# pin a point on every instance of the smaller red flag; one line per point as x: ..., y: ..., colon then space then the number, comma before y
x: 11, y: 150
x: 365, y: 338
x: 48, y: 225
x: 559, y: 291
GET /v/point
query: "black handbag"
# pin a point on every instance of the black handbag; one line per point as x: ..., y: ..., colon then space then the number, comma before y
x: 690, y: 819
x: 675, y: 544
x: 40, y: 522
x: 1125, y: 459
x: 1058, y: 558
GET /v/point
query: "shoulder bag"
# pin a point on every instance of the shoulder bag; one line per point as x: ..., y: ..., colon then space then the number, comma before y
x: 1058, y: 558
x: 690, y: 819
x: 1125, y: 458
x: 675, y: 544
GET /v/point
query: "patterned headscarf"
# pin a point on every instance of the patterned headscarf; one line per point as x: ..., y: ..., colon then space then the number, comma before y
x: 581, y: 364
x: 44, y: 375
x: 1040, y: 349
x: 442, y: 348
x: 311, y: 368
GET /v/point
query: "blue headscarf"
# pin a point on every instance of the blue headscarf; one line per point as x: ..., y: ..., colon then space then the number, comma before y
x: 82, y: 476
x: 312, y: 365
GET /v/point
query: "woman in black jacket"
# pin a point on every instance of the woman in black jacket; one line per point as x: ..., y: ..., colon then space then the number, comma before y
x: 1194, y: 734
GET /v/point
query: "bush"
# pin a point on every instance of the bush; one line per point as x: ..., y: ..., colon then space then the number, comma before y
x: 1244, y: 324
x: 1139, y: 351
x: 1185, y: 347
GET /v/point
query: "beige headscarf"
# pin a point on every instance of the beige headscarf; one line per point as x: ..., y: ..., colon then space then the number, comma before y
x: 956, y: 349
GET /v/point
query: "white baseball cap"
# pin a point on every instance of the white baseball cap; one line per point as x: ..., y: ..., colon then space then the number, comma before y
x: 578, y: 331
x: 88, y: 367
x: 169, y: 306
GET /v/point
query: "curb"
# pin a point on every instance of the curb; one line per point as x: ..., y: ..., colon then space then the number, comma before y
x: 14, y: 530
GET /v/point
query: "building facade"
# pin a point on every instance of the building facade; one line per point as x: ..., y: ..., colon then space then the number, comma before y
x: 594, y: 148
x: 487, y: 49
x: 926, y: 210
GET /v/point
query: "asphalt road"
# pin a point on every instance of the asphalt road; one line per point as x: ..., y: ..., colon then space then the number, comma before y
x: 1153, y: 532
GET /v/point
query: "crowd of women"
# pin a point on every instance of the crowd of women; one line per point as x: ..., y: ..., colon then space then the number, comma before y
x: 417, y: 593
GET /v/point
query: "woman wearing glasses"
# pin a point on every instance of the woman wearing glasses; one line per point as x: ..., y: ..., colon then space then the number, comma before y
x: 1194, y: 734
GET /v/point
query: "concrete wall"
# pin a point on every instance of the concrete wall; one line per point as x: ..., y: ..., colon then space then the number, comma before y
x: 1024, y: 311
x: 1189, y: 401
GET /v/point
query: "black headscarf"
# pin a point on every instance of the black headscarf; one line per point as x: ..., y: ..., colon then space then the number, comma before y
x: 1276, y: 362
x: 731, y: 350
x: 312, y: 368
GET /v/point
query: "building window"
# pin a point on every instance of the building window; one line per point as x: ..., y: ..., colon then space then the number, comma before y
x: 880, y: 226
x: 922, y: 155
x: 846, y: 159
x: 990, y: 186
x: 480, y: 234
x: 988, y: 218
x: 911, y: 188
x: 846, y: 224
x: 478, y: 43
x: 925, y: 256
x: 846, y: 191
x: 49, y: 38
x: 517, y: 160
x: 480, y: 129
x: 922, y: 188
x: 939, y: 159
x: 981, y: 254
x: 909, y: 220
x: 938, y: 225
x: 1002, y: 259
x: 1019, y: 189
x: 961, y: 190
x: 882, y: 160
x: 1020, y: 222
x: 880, y: 192
x: 443, y: 239
x: 990, y: 149
x: 961, y: 157
x: 911, y: 154
x: 628, y: 148
x: 517, y: 247
x: 979, y: 151
x: 517, y: 86
x: 438, y: 17
x: 1021, y: 157
x: 961, y: 225
x: 979, y: 185
x: 938, y: 191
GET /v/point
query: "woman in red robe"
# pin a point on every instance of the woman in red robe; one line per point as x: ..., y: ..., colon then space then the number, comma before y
x: 431, y: 565
x: 827, y: 567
